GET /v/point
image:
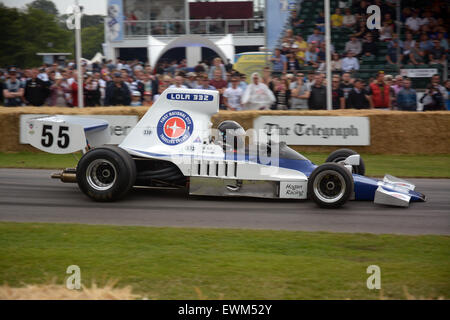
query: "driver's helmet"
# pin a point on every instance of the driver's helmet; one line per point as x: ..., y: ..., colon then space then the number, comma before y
x: 232, y: 128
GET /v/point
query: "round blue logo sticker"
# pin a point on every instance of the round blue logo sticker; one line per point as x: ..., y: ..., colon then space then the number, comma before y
x: 175, y: 127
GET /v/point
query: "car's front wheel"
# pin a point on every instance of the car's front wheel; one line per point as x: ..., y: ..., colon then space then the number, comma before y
x: 106, y: 173
x: 330, y: 185
x: 340, y: 155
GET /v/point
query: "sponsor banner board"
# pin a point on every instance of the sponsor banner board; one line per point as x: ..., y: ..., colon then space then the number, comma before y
x: 316, y: 130
x: 418, y: 73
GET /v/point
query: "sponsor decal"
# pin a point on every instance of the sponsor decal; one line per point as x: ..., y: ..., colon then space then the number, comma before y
x: 174, y: 127
x: 190, y: 96
x: 293, y: 190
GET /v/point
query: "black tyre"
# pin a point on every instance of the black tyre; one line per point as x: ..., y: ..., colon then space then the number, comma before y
x: 330, y: 185
x: 106, y: 173
x: 341, y: 154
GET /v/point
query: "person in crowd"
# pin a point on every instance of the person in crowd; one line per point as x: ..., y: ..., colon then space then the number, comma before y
x: 417, y: 55
x: 36, y: 90
x: 413, y: 23
x: 425, y: 43
x: 443, y: 40
x: 301, y: 48
x: 394, y: 53
x: 232, y: 97
x: 242, y: 81
x: 136, y: 99
x: 279, y: 62
x: 386, y: 32
x: 432, y: 100
x: 203, y: 82
x: 357, y: 97
x: 349, y: 20
x: 13, y: 90
x: 318, y: 96
x: 320, y: 22
x: 191, y: 80
x: 346, y: 84
x: 292, y: 63
x: 91, y: 92
x: 311, y: 55
x: 379, y: 93
x: 179, y: 82
x: 217, y: 64
x: 220, y: 85
x: 257, y: 96
x: 408, y: 45
x: 447, y: 99
x: 398, y: 84
x: 228, y: 66
x: 117, y: 92
x: 163, y: 87
x: 59, y: 92
x: 407, y: 97
x: 337, y: 95
x: 299, y: 93
x: 336, y: 62
x: 282, y: 95
x: 436, y: 83
x: 316, y: 37
x: 148, y: 99
x: 369, y: 47
x: 337, y: 18
x: 350, y: 63
x: 437, y: 54
x: 354, y: 46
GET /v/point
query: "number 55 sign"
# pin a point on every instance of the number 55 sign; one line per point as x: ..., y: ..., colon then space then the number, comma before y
x: 56, y: 137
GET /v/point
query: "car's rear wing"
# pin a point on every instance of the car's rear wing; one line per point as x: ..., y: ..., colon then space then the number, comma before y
x: 66, y: 134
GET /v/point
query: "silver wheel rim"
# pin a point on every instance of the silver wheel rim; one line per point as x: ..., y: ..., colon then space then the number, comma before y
x: 101, y: 174
x: 329, y: 186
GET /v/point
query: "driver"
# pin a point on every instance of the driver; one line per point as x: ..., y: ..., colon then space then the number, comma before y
x: 229, y: 129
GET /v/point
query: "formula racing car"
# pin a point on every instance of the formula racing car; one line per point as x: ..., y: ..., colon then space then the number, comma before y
x: 175, y: 146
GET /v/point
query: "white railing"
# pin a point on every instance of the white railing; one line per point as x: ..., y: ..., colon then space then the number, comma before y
x: 141, y: 28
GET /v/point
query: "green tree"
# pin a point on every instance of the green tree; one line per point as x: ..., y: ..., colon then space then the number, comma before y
x: 92, y: 39
x: 44, y: 5
x: 25, y: 33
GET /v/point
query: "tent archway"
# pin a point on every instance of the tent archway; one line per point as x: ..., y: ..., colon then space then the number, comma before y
x: 223, y: 47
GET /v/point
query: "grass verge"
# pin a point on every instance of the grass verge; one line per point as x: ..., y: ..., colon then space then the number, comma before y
x: 423, y: 166
x: 186, y: 263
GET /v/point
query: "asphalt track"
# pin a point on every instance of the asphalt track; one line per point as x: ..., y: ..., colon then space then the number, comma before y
x: 31, y: 196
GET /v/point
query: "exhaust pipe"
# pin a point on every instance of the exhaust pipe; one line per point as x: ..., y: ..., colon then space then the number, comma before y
x: 68, y: 175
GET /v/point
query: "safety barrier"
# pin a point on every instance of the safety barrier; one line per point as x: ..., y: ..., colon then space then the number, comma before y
x: 391, y: 132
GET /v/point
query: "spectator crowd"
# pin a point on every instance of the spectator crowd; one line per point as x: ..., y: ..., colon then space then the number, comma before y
x: 294, y: 79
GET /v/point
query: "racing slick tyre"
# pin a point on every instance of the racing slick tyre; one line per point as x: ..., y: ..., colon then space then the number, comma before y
x: 341, y: 154
x: 106, y: 173
x: 330, y: 185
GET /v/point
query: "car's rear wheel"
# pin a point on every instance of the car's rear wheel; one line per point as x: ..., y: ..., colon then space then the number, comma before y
x: 330, y: 185
x: 106, y: 173
x: 340, y: 155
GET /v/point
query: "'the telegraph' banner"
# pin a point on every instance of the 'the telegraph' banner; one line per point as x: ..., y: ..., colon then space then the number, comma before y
x: 317, y: 131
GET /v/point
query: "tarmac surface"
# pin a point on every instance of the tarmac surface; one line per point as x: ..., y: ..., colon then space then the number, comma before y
x: 28, y: 195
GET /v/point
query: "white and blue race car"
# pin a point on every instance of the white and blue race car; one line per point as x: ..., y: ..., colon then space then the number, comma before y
x: 175, y: 146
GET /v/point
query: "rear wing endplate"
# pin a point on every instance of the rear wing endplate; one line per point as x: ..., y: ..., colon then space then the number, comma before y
x: 63, y: 134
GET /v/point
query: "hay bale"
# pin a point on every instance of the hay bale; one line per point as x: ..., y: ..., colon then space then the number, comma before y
x: 59, y: 292
x: 391, y: 132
